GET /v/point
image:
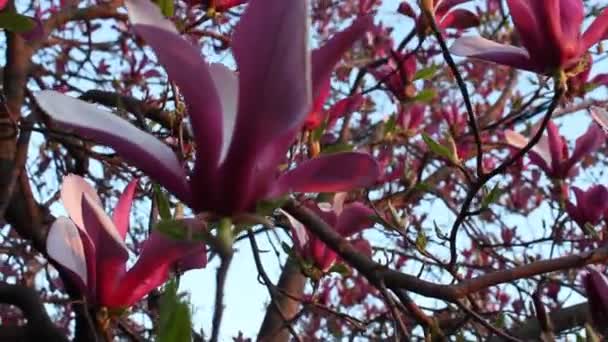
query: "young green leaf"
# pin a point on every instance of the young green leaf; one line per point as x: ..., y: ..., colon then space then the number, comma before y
x: 15, y: 22
x: 175, y: 321
x: 162, y: 202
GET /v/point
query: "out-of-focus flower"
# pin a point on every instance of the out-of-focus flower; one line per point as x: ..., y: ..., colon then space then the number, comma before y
x: 446, y: 15
x: 242, y: 123
x: 551, y: 152
x: 347, y: 220
x: 90, y: 246
x: 550, y: 32
x: 596, y: 286
x: 590, y: 205
x: 398, y: 75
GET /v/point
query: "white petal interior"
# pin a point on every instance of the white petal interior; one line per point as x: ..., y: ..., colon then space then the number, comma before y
x: 64, y: 245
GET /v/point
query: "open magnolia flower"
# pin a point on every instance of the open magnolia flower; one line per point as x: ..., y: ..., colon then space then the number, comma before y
x: 550, y: 32
x: 347, y: 220
x: 243, y: 124
x: 446, y: 14
x: 90, y: 246
x: 551, y: 152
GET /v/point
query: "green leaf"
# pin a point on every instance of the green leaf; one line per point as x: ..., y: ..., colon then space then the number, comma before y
x: 162, y: 202
x: 426, y: 73
x: 437, y: 148
x: 337, y: 148
x: 166, y: 7
x: 15, y: 22
x: 340, y: 269
x: 421, y: 241
x: 178, y: 230
x: 491, y: 197
x: 390, y: 125
x: 425, y: 95
x: 175, y: 321
x: 267, y: 206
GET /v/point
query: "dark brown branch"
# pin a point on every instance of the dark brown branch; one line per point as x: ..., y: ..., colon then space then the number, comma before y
x: 39, y: 326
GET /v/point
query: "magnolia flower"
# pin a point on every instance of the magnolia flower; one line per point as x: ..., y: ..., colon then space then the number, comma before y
x: 243, y: 123
x: 600, y: 116
x: 590, y: 205
x: 446, y: 15
x: 596, y: 286
x: 551, y: 152
x: 347, y: 220
x: 549, y: 31
x: 398, y: 75
x: 411, y: 117
x: 221, y: 5
x: 90, y: 247
x: 318, y: 115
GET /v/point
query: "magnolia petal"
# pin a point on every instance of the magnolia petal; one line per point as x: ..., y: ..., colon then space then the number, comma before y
x: 571, y: 16
x: 557, y: 148
x: 227, y: 87
x: 443, y: 6
x: 329, y: 173
x: 596, y: 288
x: 459, y: 19
x: 598, y: 31
x: 325, y: 58
x: 595, y: 203
x: 72, y: 189
x: 111, y: 252
x: 354, y: 218
x: 528, y: 24
x: 519, y: 141
x: 159, y: 256
x: 65, y: 246
x: 298, y: 232
x: 187, y: 68
x: 122, y: 210
x: 487, y: 50
x: 270, y: 45
x: 586, y: 144
x: 141, y: 149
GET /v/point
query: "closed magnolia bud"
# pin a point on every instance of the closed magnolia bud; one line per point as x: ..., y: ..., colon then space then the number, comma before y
x: 596, y: 286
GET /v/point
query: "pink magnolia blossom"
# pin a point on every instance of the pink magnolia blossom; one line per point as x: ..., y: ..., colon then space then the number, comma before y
x: 446, y: 14
x: 550, y: 32
x: 411, y: 117
x: 590, y: 205
x: 398, y: 75
x: 243, y: 123
x: 347, y: 220
x: 551, y: 152
x: 90, y: 246
x: 596, y: 286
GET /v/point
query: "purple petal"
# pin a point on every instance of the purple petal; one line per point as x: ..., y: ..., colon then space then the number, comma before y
x: 595, y: 203
x: 138, y: 147
x: 571, y: 14
x: 270, y: 45
x: 529, y: 26
x: 354, y: 218
x: 298, y: 232
x: 159, y: 256
x: 226, y: 84
x: 72, y: 189
x: 586, y: 144
x: 187, y: 68
x: 557, y: 147
x: 487, y: 50
x: 123, y: 209
x: 598, y: 31
x: 111, y: 252
x: 329, y: 173
x: 65, y: 246
x: 324, y: 59
x: 459, y: 19
x: 596, y: 286
x: 443, y: 6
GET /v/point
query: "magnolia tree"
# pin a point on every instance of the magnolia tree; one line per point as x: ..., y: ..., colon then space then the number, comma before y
x: 423, y: 170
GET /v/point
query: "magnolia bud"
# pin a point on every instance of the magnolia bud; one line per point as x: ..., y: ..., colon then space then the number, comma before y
x: 596, y: 286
